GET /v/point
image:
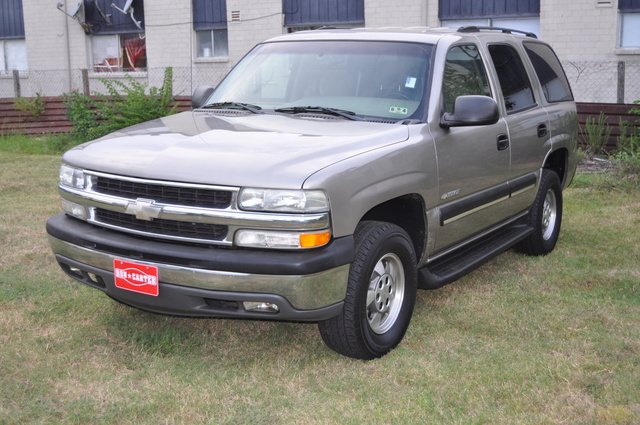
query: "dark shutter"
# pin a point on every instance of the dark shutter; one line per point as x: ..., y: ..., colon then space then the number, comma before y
x: 209, y: 14
x: 323, y: 12
x: 629, y: 5
x: 469, y: 9
x: 120, y: 23
x: 11, y: 19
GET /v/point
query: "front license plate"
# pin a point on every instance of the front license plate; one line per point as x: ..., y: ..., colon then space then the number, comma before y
x: 136, y: 277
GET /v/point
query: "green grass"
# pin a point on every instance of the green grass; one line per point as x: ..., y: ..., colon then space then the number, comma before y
x: 551, y: 340
x: 37, y: 145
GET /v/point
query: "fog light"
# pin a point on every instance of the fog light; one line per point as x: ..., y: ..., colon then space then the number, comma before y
x: 260, y: 306
x: 76, y: 210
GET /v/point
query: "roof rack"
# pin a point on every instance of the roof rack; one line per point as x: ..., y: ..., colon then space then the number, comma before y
x: 474, y: 28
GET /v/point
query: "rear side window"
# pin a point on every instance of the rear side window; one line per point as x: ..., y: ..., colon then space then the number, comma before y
x: 514, y: 81
x: 550, y: 73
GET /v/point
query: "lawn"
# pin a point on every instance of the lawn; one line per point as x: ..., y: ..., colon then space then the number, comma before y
x: 552, y: 340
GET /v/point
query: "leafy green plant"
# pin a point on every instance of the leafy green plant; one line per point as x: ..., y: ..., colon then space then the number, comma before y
x: 125, y: 104
x: 129, y: 104
x: 627, y: 155
x: 35, y: 106
x: 629, y: 139
x: 597, y: 132
x: 82, y: 112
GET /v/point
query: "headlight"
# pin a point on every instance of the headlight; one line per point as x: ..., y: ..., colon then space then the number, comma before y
x: 277, y: 200
x: 71, y: 176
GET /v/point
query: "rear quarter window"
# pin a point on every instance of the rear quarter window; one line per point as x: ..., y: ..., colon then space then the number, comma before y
x: 549, y: 71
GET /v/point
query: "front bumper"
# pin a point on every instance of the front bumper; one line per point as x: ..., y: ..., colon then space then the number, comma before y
x: 207, y: 281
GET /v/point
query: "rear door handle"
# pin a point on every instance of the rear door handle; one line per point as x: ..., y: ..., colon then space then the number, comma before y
x: 503, y: 142
x: 542, y: 130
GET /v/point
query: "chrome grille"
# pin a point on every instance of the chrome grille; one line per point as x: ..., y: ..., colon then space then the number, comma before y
x: 162, y: 227
x: 178, y: 195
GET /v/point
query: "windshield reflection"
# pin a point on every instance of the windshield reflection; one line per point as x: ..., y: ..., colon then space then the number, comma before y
x: 375, y: 80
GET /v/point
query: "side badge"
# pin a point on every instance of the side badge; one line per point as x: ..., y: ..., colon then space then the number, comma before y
x: 450, y: 194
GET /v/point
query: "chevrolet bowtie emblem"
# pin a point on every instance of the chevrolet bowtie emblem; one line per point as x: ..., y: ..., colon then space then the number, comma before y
x: 143, y: 209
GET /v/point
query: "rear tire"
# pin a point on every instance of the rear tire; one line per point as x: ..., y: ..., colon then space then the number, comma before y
x: 380, y: 294
x: 545, y: 217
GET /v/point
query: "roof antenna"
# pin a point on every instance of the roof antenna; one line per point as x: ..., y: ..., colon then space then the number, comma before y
x: 74, y: 15
x: 128, y: 10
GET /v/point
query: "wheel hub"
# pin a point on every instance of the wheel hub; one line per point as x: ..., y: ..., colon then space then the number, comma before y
x: 549, y: 215
x: 386, y: 293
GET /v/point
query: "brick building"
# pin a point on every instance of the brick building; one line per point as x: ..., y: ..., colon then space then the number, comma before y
x: 48, y: 43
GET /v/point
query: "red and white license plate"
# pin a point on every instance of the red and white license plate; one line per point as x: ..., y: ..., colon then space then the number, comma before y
x: 136, y: 277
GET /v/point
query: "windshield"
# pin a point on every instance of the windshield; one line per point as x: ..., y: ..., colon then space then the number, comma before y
x: 374, y: 80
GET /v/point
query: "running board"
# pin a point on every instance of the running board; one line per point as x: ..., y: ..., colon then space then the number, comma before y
x: 470, y: 257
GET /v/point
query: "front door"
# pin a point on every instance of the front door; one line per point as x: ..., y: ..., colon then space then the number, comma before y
x: 473, y: 162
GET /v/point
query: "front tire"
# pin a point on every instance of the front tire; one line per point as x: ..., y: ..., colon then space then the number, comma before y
x: 380, y: 294
x: 545, y: 217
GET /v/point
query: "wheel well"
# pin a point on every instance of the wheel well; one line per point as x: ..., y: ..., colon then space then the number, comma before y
x: 408, y: 213
x: 557, y: 161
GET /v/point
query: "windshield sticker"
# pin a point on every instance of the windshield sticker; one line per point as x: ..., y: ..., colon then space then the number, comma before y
x: 411, y: 82
x: 401, y: 110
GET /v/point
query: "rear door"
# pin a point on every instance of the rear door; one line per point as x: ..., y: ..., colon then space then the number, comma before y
x: 526, y: 119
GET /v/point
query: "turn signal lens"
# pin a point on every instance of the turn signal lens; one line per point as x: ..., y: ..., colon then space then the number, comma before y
x: 314, y: 239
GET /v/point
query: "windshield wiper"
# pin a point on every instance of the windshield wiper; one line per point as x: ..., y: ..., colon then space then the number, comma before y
x: 322, y: 110
x: 234, y: 105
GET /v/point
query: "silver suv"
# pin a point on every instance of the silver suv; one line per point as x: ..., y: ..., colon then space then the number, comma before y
x: 329, y: 176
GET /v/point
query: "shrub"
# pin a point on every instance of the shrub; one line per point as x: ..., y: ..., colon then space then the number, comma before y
x: 34, y: 107
x: 627, y: 155
x: 126, y: 104
x: 597, y: 134
x: 82, y: 112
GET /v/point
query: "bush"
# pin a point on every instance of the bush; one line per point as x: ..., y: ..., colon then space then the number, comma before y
x: 34, y: 107
x: 597, y: 134
x: 82, y: 112
x: 627, y: 156
x: 126, y: 104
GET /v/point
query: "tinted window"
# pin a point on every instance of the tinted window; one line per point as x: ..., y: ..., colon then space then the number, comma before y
x: 550, y: 73
x: 514, y: 81
x: 464, y: 74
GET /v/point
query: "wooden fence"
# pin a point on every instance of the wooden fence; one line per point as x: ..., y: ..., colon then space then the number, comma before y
x: 614, y: 113
x: 54, y: 120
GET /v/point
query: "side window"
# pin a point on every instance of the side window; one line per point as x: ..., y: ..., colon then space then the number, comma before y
x: 549, y: 71
x: 513, y: 78
x: 464, y: 74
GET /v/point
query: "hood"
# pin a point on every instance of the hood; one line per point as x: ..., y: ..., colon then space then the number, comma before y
x: 236, y: 150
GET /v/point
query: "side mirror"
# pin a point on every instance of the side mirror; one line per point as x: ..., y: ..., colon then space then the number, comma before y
x: 470, y: 111
x: 200, y: 96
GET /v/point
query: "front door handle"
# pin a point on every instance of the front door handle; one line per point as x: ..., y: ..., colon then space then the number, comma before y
x: 503, y: 142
